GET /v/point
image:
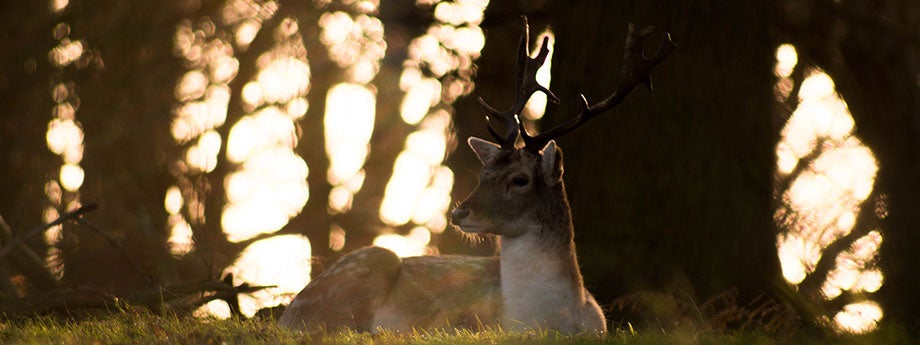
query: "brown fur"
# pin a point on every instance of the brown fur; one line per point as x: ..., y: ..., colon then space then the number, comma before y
x: 535, y: 283
x: 373, y: 288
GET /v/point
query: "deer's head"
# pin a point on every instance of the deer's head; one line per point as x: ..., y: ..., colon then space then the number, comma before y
x: 522, y: 187
x: 517, y: 188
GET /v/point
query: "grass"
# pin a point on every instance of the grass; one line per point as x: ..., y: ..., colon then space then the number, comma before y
x: 134, y: 328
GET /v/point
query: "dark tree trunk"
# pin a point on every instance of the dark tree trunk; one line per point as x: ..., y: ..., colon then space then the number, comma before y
x: 25, y: 91
x: 672, y: 191
x: 125, y: 110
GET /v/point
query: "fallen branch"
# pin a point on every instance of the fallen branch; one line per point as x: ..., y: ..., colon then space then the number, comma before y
x: 866, y: 221
x: 27, y: 262
x: 20, y: 240
x: 180, y: 298
x: 124, y: 251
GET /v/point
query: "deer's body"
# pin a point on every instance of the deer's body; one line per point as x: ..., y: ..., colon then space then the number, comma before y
x: 373, y: 289
x: 534, y: 283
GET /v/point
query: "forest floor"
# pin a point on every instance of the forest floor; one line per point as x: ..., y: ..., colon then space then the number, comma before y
x: 132, y: 328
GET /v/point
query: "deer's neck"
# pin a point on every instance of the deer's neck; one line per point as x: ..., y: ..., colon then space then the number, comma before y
x: 540, y: 279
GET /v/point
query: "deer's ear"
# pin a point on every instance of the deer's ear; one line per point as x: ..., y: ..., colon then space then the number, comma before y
x: 551, y: 164
x: 485, y: 150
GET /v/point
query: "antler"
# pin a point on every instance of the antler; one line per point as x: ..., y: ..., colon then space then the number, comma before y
x: 636, y: 71
x: 525, y: 84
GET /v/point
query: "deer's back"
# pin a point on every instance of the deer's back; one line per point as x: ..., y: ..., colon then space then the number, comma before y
x: 439, y: 292
x: 372, y: 288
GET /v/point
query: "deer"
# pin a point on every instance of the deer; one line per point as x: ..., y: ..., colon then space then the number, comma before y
x: 534, y: 283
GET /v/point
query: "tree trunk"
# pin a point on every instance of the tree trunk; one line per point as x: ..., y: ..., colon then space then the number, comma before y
x: 25, y: 88
x: 125, y: 110
x: 672, y: 191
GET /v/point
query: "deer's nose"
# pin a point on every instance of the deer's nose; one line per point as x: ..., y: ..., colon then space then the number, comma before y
x: 458, y: 214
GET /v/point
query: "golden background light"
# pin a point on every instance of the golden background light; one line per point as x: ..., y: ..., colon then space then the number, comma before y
x: 822, y: 203
x: 536, y: 105
x: 267, y: 183
x: 349, y: 123
x: 419, y: 190
x: 283, y: 261
x: 64, y: 136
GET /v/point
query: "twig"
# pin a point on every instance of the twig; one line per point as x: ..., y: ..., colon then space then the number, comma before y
x: 158, y: 299
x: 20, y: 240
x: 29, y: 263
x: 232, y: 299
x: 116, y: 244
x: 177, y: 301
x: 866, y: 221
x: 798, y: 77
x: 801, y: 166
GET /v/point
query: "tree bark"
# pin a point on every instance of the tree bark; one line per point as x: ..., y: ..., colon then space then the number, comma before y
x: 672, y: 191
x: 125, y: 110
x: 25, y: 88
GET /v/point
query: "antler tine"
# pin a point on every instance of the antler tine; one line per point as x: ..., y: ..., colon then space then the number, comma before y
x: 507, y: 139
x: 525, y: 85
x: 636, y: 71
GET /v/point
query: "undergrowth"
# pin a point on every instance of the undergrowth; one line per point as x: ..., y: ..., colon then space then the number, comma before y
x: 132, y: 328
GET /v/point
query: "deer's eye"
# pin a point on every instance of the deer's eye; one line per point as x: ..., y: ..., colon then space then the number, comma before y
x: 519, y: 181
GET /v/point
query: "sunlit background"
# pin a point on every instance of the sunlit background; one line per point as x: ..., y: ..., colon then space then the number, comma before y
x: 825, y: 174
x: 269, y: 185
x: 65, y: 134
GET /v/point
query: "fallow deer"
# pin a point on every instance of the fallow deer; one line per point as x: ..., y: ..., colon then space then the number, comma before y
x: 534, y: 283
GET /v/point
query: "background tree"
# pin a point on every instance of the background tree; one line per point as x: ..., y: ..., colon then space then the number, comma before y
x: 127, y: 145
x: 870, y: 49
x: 671, y: 192
x: 24, y: 91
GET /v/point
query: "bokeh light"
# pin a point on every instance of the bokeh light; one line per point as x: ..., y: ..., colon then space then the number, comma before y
x: 536, y: 105
x: 413, y: 244
x: 282, y: 261
x: 859, y: 317
x: 270, y: 188
x: 349, y: 123
x: 834, y: 174
x: 420, y: 186
x: 58, y: 6
x: 267, y: 181
x: 437, y: 70
x: 64, y: 136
